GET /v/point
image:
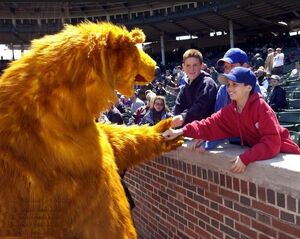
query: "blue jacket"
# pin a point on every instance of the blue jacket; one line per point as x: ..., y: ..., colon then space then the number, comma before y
x: 277, y: 98
x: 196, y: 101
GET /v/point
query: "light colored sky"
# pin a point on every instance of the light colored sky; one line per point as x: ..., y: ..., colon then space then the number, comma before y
x: 7, y: 54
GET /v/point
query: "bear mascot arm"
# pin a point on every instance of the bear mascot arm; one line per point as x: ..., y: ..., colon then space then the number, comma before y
x: 59, y: 169
x: 134, y: 144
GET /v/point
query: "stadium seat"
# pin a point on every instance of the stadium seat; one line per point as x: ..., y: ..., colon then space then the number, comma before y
x: 295, y: 136
x: 289, y: 117
x: 294, y: 83
x: 289, y: 94
x: 291, y: 88
x: 289, y: 110
x: 289, y: 120
x: 296, y: 95
x: 294, y: 103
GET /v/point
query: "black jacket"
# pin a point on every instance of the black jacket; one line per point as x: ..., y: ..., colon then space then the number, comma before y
x: 277, y: 98
x: 196, y: 101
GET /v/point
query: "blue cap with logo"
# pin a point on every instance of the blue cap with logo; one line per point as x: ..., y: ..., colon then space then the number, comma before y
x: 240, y: 75
x: 233, y: 56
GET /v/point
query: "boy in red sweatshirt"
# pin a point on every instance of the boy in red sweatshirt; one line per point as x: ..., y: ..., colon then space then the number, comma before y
x: 248, y: 116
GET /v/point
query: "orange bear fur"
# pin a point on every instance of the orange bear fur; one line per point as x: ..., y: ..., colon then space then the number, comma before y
x: 59, y: 169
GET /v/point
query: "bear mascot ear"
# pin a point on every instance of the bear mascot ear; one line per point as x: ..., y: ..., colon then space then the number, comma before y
x: 137, y: 36
x: 120, y: 37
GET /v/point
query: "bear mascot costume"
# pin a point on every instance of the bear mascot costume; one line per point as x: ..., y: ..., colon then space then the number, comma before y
x: 59, y: 170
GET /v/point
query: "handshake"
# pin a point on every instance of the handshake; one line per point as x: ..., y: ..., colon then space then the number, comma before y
x: 172, y: 133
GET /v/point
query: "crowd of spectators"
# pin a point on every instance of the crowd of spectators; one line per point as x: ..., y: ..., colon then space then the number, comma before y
x: 267, y: 61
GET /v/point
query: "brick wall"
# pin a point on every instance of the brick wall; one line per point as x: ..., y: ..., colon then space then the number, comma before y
x: 182, y: 196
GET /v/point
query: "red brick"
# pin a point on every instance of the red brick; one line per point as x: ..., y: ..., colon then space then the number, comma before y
x: 172, y: 221
x: 190, y: 202
x: 148, y: 187
x: 201, y: 208
x: 236, y: 184
x: 244, y: 219
x: 156, y: 197
x: 202, y: 233
x: 164, y: 208
x: 284, y: 236
x: 252, y: 189
x: 154, y: 171
x: 289, y: 229
x: 263, y: 228
x: 180, y: 189
x: 265, y: 208
x: 244, y: 187
x: 263, y: 236
x: 213, y: 197
x: 202, y: 216
x: 291, y: 203
x: 214, y: 231
x: 200, y: 183
x: 161, y: 167
x: 190, y: 233
x: 179, y: 174
x: 191, y: 226
x: 213, y: 188
x: 191, y: 210
x: 228, y: 194
x: 245, y: 230
x: 214, y: 214
x: 189, y: 178
x: 191, y: 218
x: 262, y: 194
x: 228, y: 212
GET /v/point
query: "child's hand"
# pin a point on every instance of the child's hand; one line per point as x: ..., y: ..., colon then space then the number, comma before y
x: 172, y: 134
x: 238, y: 166
x: 177, y: 121
x: 197, y: 144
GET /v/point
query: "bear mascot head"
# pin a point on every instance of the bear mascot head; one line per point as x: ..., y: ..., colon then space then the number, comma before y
x: 59, y: 170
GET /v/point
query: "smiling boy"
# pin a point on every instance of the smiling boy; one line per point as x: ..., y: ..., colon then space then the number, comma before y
x: 248, y: 116
x: 196, y: 99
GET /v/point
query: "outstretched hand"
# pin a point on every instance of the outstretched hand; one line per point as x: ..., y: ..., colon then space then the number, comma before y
x: 172, y: 134
x: 171, y: 143
x: 177, y: 121
x: 237, y: 165
x: 198, y: 144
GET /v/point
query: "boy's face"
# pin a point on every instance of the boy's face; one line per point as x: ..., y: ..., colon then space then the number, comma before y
x: 192, y: 67
x: 238, y: 91
x: 228, y: 67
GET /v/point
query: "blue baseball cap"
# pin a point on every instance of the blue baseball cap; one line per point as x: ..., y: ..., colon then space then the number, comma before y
x: 233, y: 56
x: 240, y: 75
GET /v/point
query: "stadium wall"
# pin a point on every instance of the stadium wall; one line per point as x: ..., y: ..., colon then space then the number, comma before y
x: 184, y: 194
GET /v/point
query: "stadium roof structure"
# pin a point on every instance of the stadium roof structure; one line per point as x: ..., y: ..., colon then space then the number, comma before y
x: 22, y: 21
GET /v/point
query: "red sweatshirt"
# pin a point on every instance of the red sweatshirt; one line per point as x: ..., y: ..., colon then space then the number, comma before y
x: 256, y: 125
